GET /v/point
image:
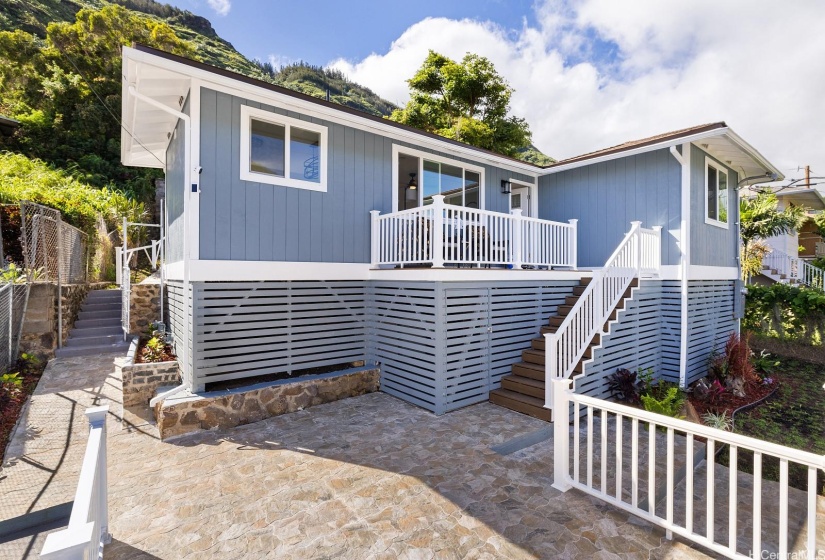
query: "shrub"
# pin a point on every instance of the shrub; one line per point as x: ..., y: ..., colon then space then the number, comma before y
x: 788, y: 312
x: 669, y: 400
x: 735, y: 362
x: 624, y: 386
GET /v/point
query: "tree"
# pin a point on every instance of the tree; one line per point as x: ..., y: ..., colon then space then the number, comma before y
x: 467, y: 101
x: 759, y: 219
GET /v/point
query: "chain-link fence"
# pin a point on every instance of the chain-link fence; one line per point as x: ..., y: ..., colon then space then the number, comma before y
x: 13, y: 299
x: 53, y: 251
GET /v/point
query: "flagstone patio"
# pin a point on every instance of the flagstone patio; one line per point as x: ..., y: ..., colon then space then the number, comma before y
x: 366, y: 477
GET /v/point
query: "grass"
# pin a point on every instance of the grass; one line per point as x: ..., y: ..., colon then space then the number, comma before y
x: 794, y: 417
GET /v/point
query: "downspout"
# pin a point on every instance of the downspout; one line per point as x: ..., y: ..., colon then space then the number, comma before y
x: 684, y: 258
x: 186, y: 383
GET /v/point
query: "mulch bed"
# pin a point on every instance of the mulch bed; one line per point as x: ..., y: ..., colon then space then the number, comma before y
x: 728, y: 402
x: 13, y: 399
x: 141, y: 356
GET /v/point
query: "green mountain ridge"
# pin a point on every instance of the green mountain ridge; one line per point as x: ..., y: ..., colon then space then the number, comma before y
x: 33, y: 16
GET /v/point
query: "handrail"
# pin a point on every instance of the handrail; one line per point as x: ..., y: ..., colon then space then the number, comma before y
x: 677, y: 516
x: 88, y: 529
x: 441, y: 234
x: 639, y: 252
x: 796, y: 269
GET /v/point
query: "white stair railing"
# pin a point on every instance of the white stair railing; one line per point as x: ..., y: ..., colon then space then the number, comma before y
x: 794, y: 269
x: 638, y: 253
x: 622, y: 471
x: 88, y: 528
x: 442, y: 234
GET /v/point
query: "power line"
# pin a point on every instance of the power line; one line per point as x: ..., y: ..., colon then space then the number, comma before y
x: 108, y: 110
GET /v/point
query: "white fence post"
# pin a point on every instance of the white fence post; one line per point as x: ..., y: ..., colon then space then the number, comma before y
x: 657, y: 257
x: 518, y: 241
x: 375, y: 238
x: 550, y: 367
x: 438, y: 231
x: 561, y: 433
x: 574, y: 243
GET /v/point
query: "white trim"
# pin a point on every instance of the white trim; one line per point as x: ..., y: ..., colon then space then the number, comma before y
x: 248, y: 271
x: 710, y: 162
x: 533, y: 195
x: 699, y: 272
x: 193, y: 234
x: 684, y: 257
x: 263, y: 95
x: 173, y: 271
x: 399, y: 149
x: 247, y: 114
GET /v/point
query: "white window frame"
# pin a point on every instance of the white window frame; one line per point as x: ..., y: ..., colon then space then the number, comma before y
x: 719, y: 169
x: 531, y: 193
x: 396, y: 150
x: 249, y: 113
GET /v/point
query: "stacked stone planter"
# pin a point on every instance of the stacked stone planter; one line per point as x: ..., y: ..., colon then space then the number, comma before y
x: 141, y: 381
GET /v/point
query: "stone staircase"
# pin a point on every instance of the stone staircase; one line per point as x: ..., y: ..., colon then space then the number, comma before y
x: 523, y: 390
x: 97, y: 329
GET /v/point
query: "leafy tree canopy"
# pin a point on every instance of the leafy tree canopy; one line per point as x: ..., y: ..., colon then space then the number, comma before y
x: 759, y: 219
x: 467, y: 101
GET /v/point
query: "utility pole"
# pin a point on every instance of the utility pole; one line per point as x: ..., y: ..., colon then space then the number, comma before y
x: 808, y: 176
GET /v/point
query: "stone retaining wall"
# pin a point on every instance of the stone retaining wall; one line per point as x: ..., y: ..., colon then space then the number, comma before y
x: 144, y: 307
x: 178, y: 416
x: 141, y: 381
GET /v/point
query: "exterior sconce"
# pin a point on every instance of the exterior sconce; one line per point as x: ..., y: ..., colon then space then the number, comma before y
x: 506, y: 187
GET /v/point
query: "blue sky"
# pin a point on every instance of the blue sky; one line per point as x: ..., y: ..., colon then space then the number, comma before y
x: 587, y: 73
x: 320, y: 31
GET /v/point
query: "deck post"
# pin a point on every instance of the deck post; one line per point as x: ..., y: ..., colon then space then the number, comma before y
x: 658, y: 255
x: 637, y: 226
x: 438, y: 231
x: 375, y: 238
x: 516, y: 236
x: 561, y: 433
x: 574, y: 243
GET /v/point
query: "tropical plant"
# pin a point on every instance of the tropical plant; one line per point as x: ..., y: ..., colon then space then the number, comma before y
x: 467, y: 101
x: 668, y: 400
x: 624, y: 386
x: 764, y: 363
x: 12, y: 380
x: 760, y: 218
x: 787, y: 312
x: 720, y: 421
x: 752, y: 256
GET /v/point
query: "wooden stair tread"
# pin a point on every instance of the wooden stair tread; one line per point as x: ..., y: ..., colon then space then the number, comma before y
x: 523, y: 386
x: 524, y: 404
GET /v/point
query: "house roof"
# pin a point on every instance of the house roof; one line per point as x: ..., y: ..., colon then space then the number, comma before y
x: 167, y: 78
x: 7, y: 125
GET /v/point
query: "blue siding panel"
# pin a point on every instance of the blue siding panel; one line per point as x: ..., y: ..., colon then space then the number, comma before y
x: 605, y: 197
x: 176, y: 190
x: 711, y: 245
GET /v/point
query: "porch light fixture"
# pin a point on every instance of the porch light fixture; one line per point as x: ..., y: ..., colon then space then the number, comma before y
x: 412, y: 185
x: 506, y: 186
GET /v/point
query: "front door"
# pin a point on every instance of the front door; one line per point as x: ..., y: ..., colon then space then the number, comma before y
x: 520, y: 200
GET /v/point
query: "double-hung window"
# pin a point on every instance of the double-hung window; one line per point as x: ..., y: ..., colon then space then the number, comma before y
x: 283, y: 151
x: 716, y: 194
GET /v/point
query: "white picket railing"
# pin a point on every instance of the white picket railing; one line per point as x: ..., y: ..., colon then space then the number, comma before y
x: 605, y: 449
x: 88, y: 528
x: 442, y: 234
x: 794, y: 268
x: 638, y: 253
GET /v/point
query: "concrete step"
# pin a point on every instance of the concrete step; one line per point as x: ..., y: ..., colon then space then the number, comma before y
x: 525, y: 404
x: 99, y: 314
x: 115, y: 306
x: 80, y: 341
x: 70, y: 352
x: 116, y: 298
x: 95, y: 331
x: 523, y: 386
x: 110, y: 322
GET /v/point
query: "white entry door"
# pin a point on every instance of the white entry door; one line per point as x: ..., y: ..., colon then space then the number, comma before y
x: 520, y: 199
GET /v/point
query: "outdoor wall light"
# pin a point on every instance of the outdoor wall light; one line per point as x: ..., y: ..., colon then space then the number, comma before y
x: 412, y: 185
x: 506, y: 186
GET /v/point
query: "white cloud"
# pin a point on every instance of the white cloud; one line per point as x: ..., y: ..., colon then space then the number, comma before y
x: 755, y: 65
x: 221, y: 7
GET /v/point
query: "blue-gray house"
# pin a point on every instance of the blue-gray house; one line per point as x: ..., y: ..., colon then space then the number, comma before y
x: 303, y: 235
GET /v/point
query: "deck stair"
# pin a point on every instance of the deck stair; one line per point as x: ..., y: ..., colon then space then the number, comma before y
x: 524, y: 389
x: 97, y: 329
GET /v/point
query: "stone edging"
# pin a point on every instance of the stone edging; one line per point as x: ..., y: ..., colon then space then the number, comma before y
x: 141, y: 381
x: 179, y: 415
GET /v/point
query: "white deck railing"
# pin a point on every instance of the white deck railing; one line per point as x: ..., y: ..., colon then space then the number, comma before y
x: 605, y: 449
x: 442, y: 234
x: 794, y: 268
x: 88, y: 528
x: 638, y: 253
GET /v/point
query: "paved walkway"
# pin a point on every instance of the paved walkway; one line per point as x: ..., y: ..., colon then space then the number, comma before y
x: 368, y: 477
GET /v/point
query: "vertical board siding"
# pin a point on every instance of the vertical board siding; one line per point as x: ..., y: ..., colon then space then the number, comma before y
x: 711, y: 245
x: 179, y: 313
x: 246, y: 329
x: 711, y: 320
x: 245, y: 220
x: 605, y: 197
x: 176, y: 190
